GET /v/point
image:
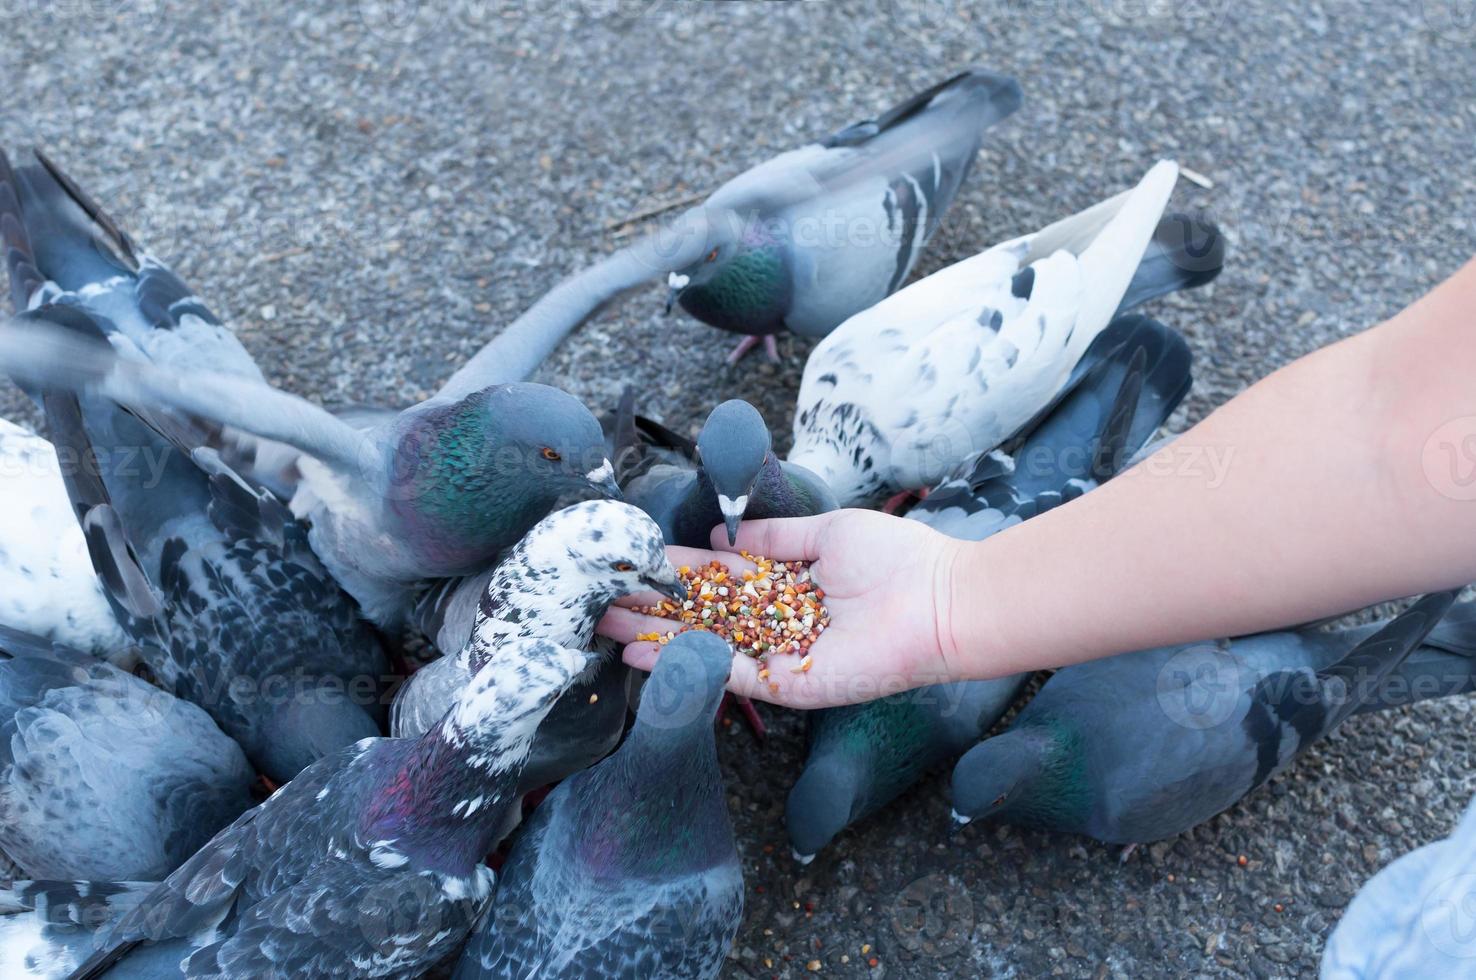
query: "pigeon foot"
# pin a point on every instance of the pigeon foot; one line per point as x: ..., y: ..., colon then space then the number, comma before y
x: 897, y: 501
x: 771, y: 349
x: 748, y: 711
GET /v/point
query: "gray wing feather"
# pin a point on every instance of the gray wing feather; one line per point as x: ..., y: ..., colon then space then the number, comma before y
x: 104, y: 777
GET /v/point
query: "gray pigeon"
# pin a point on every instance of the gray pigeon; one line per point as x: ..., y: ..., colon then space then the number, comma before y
x: 368, y: 864
x: 890, y: 178
x: 103, y: 776
x: 628, y: 869
x: 437, y: 490
x: 811, y: 237
x: 555, y: 585
x: 216, y: 584
x: 730, y: 473
x: 47, y: 586
x: 863, y: 756
x: 1143, y: 746
x: 901, y: 394
x: 1413, y: 918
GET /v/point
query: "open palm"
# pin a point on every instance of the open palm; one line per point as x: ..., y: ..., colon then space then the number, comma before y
x: 885, y: 581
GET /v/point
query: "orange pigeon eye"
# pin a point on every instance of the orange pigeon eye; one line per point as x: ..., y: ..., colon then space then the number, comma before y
x: 712, y: 256
x: 551, y: 455
x: 624, y: 566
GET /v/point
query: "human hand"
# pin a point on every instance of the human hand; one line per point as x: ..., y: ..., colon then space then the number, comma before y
x: 888, y: 586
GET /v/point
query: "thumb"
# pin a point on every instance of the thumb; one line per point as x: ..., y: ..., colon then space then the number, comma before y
x: 783, y: 539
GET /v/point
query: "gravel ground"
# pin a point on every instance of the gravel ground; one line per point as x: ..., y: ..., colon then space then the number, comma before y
x: 367, y: 191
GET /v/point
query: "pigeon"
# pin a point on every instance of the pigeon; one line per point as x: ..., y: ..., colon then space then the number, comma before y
x: 216, y: 584
x: 62, y: 248
x: 368, y: 864
x: 628, y: 869
x: 863, y: 756
x: 953, y: 365
x: 730, y: 473
x: 47, y: 586
x: 437, y: 490
x: 1412, y: 919
x: 814, y: 236
x: 47, y: 926
x: 1140, y: 747
x: 103, y: 776
x: 555, y: 584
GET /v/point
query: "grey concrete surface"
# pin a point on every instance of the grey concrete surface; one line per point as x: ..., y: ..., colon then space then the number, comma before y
x: 368, y: 190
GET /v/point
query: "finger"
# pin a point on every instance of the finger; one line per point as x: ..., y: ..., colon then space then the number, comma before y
x: 624, y: 625
x: 743, y: 681
x: 640, y: 600
x: 785, y: 539
x: 643, y: 655
x: 697, y: 557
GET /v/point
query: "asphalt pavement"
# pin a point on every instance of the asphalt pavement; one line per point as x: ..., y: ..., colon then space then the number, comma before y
x: 367, y: 191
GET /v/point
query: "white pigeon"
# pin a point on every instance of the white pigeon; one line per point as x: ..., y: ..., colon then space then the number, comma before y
x: 47, y: 586
x: 901, y: 394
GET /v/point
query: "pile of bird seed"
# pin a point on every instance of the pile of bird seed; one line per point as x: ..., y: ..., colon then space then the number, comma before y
x: 776, y: 609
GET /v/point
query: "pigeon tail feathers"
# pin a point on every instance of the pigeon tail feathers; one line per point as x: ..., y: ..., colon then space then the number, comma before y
x: 1186, y: 251
x: 1313, y: 705
x: 1109, y: 262
x: 1081, y: 411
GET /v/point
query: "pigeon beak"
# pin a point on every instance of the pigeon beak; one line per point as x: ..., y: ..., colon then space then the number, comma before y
x: 675, y: 283
x: 732, y: 514
x: 602, y: 478
x: 672, y: 587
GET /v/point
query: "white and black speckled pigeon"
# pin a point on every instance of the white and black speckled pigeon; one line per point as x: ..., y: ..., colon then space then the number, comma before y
x: 368, y: 864
x: 863, y: 756
x: 436, y: 490
x: 47, y: 585
x: 729, y: 473
x: 628, y: 869
x: 555, y: 584
x: 1413, y: 918
x: 47, y: 926
x: 953, y: 365
x: 216, y: 583
x: 103, y: 776
x: 1146, y: 745
x: 813, y: 236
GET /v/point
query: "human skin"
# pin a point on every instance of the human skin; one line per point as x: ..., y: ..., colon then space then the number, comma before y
x: 1346, y: 478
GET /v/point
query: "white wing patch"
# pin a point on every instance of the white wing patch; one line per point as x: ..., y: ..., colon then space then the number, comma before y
x: 47, y: 585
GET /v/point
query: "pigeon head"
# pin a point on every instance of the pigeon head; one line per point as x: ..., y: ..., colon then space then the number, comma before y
x: 734, y: 444
x: 1001, y: 773
x: 505, y: 701
x: 608, y: 547
x: 687, y: 684
x: 469, y: 478
x: 742, y: 283
x: 820, y: 805
x: 555, y: 438
x: 307, y: 726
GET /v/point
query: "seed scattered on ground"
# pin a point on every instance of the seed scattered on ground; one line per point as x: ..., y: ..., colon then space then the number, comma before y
x: 776, y: 609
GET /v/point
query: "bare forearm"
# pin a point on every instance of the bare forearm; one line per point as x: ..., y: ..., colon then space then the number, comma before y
x: 1332, y: 484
